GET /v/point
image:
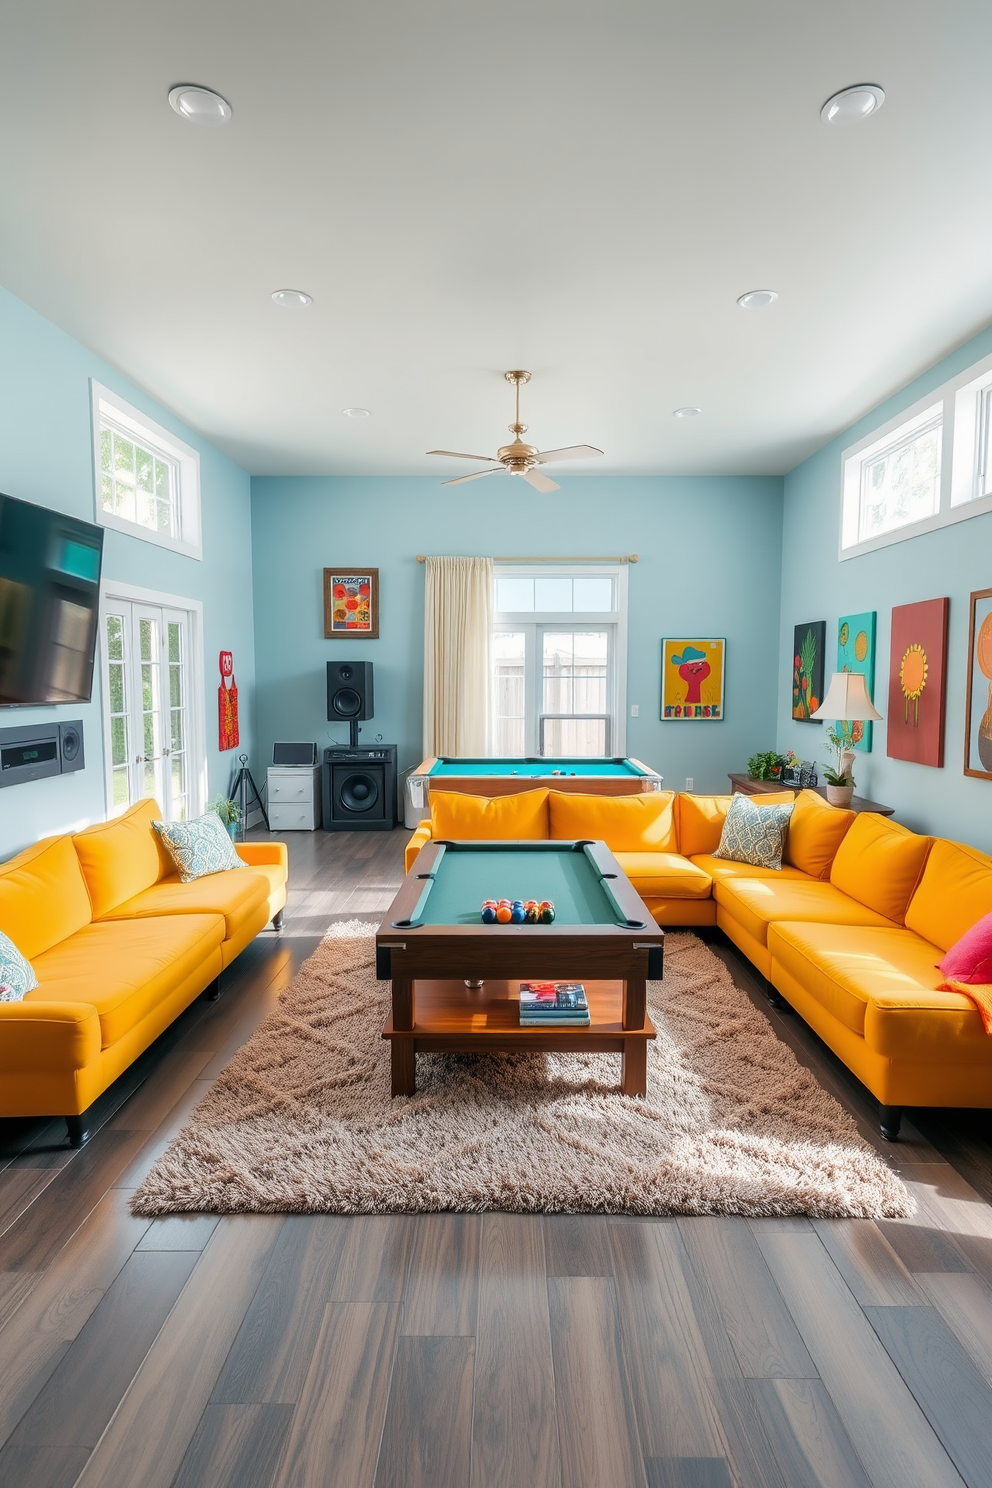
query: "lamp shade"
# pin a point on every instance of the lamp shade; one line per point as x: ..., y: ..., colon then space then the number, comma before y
x: 847, y: 700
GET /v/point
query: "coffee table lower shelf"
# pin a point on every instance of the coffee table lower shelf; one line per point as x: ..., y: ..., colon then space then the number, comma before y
x: 451, y: 1018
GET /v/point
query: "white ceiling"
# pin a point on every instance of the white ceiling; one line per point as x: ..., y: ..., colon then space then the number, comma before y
x: 579, y: 187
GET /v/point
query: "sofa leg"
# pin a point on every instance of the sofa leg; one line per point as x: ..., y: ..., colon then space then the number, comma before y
x: 889, y: 1121
x: 78, y: 1128
x: 213, y: 991
x: 774, y: 996
x: 277, y: 921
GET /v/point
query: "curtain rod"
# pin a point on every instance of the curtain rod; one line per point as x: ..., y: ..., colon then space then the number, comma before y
x: 516, y: 558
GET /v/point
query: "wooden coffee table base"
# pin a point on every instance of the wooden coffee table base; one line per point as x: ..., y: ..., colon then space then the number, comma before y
x: 450, y: 1018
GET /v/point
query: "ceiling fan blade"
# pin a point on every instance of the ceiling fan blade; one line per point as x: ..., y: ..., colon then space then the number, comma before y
x: 460, y: 479
x: 540, y: 482
x: 573, y: 452
x: 456, y: 456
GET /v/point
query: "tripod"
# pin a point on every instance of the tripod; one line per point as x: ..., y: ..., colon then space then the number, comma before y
x: 245, y: 792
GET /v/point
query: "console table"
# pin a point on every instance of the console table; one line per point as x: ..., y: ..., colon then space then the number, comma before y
x: 744, y: 786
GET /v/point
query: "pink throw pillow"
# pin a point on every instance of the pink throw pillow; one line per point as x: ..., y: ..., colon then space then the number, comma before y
x: 971, y: 959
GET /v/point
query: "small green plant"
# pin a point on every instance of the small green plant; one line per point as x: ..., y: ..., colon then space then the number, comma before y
x: 228, y: 811
x: 766, y: 766
x: 840, y: 743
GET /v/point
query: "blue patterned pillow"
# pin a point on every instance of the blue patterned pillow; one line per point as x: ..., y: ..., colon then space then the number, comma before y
x: 16, y: 974
x: 199, y: 847
x: 754, y: 834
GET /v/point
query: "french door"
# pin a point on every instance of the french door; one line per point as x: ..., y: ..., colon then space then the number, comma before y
x: 152, y: 745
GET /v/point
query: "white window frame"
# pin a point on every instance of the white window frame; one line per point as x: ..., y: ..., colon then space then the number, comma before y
x: 109, y: 408
x: 538, y: 621
x: 964, y: 406
x: 114, y: 589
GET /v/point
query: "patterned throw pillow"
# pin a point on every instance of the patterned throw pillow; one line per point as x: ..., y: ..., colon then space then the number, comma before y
x: 199, y: 847
x: 16, y: 974
x: 754, y: 834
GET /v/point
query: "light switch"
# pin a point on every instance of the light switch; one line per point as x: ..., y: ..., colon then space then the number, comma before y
x: 635, y: 709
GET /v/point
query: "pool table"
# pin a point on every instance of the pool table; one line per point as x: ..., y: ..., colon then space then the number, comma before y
x: 455, y: 981
x: 505, y: 775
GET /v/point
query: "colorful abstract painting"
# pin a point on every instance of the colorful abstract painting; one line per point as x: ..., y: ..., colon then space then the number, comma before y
x: 856, y: 653
x: 918, y: 682
x: 978, y: 720
x: 807, y: 669
x: 692, y: 677
x: 351, y: 603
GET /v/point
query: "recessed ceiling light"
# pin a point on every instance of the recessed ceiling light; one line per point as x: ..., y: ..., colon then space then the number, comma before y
x: 853, y: 104
x: 291, y: 299
x: 356, y: 412
x: 686, y: 413
x: 200, y: 105
x: 755, y: 299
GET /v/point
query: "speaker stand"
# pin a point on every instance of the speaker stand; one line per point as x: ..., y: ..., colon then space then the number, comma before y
x: 243, y: 784
x: 353, y: 726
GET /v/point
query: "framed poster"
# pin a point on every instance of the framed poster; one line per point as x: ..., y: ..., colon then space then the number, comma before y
x: 351, y: 603
x: 978, y: 715
x: 692, y: 677
x: 808, y: 651
x: 856, y: 653
x: 918, y: 682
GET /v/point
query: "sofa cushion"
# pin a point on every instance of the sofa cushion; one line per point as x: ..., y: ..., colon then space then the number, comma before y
x: 123, y: 968
x: 723, y: 868
x: 521, y: 817
x: 119, y: 858
x: 236, y: 897
x: 699, y: 819
x: 844, y: 966
x: 879, y: 863
x: 643, y: 823
x: 955, y: 892
x: 43, y: 896
x: 816, y: 831
x: 16, y: 972
x: 754, y: 833
x: 199, y: 847
x: 658, y: 875
x: 759, y: 902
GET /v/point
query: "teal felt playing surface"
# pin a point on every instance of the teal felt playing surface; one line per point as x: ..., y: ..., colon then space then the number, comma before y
x: 536, y: 768
x: 465, y: 877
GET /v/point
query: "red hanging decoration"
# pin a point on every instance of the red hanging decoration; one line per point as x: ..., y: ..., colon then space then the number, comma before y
x: 227, y: 704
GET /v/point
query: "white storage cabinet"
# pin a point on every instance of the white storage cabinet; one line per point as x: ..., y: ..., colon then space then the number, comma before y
x: 294, y: 798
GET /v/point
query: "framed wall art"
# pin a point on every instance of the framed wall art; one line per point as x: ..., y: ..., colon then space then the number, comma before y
x: 809, y: 649
x: 978, y: 715
x: 856, y: 653
x: 692, y: 679
x: 918, y: 682
x: 351, y: 603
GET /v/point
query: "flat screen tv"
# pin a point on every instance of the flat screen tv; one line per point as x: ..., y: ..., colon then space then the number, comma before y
x: 49, y: 604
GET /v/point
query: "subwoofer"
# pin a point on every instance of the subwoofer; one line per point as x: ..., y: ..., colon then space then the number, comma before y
x: 360, y: 789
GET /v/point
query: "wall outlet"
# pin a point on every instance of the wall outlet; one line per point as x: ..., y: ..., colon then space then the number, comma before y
x: 635, y: 709
x: 688, y: 782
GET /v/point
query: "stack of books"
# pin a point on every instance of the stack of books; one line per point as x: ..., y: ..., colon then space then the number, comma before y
x: 553, y: 1005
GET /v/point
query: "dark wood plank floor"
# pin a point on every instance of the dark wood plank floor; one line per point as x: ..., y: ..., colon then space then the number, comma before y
x: 477, y: 1351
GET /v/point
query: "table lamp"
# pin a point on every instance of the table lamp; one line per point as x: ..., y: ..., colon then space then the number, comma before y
x: 847, y: 701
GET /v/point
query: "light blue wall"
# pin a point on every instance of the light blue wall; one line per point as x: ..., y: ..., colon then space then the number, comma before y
x: 46, y: 457
x: 709, y: 565
x: 816, y: 586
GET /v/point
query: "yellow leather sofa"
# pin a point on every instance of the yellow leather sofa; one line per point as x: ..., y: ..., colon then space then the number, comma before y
x: 119, y: 947
x: 849, y: 932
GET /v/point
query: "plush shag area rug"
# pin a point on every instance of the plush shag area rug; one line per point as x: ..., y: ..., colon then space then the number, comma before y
x: 302, y: 1119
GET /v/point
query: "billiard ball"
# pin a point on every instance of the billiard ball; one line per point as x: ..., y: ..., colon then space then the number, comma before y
x: 518, y: 914
x: 489, y: 914
x: 546, y: 912
x: 489, y: 903
x: 504, y: 914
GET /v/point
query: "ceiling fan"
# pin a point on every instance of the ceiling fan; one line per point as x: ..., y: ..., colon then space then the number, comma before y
x: 519, y: 458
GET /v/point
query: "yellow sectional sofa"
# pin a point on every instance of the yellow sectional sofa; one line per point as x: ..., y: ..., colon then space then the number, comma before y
x: 119, y: 947
x: 849, y: 932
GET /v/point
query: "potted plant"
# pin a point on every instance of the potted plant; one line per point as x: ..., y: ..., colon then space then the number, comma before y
x: 840, y: 779
x: 766, y: 766
x: 229, y: 813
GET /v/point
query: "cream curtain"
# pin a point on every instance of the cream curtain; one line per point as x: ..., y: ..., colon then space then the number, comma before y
x: 458, y: 653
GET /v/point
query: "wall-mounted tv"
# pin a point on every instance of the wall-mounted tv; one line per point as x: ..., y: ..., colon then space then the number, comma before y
x: 49, y: 604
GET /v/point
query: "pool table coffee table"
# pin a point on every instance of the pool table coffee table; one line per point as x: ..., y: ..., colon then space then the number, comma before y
x: 506, y: 775
x: 455, y: 981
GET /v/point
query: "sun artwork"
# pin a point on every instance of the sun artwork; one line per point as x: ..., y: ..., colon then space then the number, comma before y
x: 913, y: 678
